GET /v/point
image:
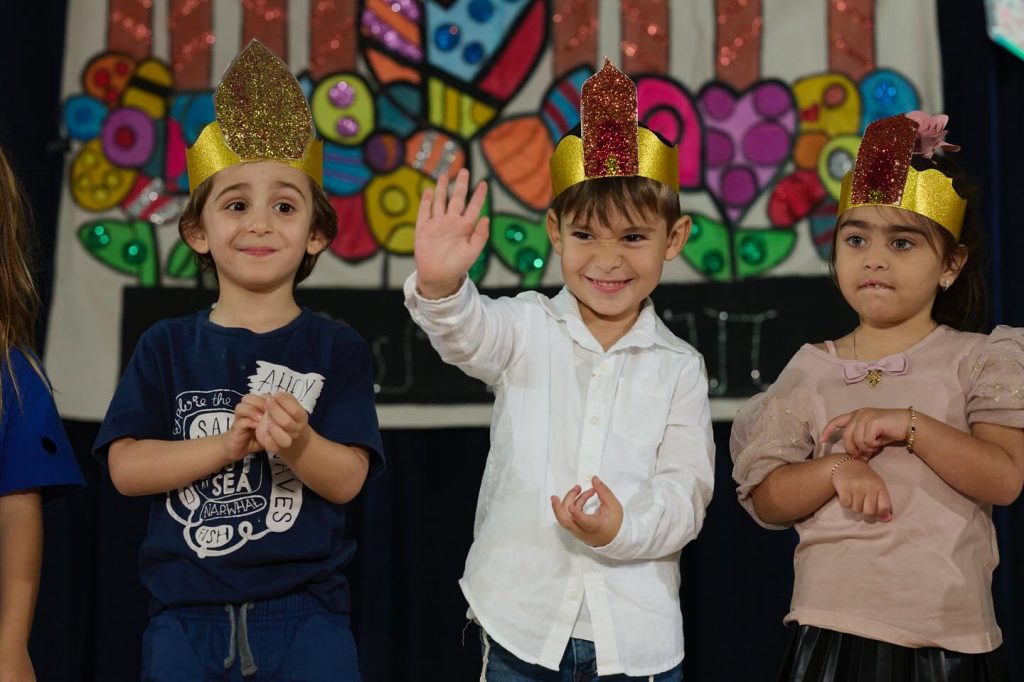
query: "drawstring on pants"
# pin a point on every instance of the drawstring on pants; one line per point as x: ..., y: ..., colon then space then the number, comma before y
x: 240, y: 634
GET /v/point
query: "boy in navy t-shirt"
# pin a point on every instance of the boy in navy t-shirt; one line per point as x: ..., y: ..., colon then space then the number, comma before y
x: 251, y: 424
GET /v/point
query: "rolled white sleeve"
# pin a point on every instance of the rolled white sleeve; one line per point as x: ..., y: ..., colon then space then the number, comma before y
x: 477, y: 334
x: 669, y: 510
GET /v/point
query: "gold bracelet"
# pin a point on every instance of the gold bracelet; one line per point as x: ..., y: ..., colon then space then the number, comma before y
x: 844, y: 460
x: 912, y: 431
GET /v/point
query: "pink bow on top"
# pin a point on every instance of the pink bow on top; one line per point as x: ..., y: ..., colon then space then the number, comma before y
x: 856, y: 370
x: 931, y: 133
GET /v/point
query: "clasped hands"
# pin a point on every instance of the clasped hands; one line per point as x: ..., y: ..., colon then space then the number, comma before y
x: 274, y: 423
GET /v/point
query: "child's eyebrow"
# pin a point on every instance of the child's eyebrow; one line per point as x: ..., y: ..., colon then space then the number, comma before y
x: 231, y: 188
x: 282, y: 183
x: 891, y: 229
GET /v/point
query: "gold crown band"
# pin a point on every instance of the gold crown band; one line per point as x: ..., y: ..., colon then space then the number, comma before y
x: 655, y: 160
x: 928, y: 193
x: 210, y: 154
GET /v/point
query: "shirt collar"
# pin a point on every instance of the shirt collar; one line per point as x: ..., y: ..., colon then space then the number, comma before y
x: 648, y: 330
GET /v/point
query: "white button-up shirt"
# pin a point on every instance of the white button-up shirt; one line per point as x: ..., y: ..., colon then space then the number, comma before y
x: 641, y: 422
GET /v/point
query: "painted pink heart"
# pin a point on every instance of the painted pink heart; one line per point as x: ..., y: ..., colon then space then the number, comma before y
x: 748, y: 139
x: 666, y: 108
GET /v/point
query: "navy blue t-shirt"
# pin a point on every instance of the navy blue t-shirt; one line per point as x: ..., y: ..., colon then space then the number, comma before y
x: 34, y: 450
x: 251, y: 531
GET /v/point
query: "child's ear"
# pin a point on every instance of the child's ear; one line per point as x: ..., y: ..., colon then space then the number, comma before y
x: 317, y: 242
x: 956, y: 263
x: 195, y: 237
x: 554, y: 233
x: 677, y: 236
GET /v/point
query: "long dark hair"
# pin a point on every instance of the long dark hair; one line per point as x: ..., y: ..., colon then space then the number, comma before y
x: 19, y: 301
x: 964, y: 305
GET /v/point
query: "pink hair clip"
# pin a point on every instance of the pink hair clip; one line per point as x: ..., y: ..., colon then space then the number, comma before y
x: 931, y: 134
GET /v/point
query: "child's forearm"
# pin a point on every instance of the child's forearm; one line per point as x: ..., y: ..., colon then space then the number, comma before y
x: 987, y: 465
x: 151, y: 467
x: 795, y: 491
x: 334, y: 471
x: 21, y: 551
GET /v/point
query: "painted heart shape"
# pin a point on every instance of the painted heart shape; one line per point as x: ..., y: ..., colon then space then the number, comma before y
x: 748, y: 139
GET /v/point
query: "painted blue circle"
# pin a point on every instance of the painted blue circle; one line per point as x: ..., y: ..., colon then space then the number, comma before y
x: 446, y: 37
x: 481, y: 10
x: 885, y: 91
x: 84, y: 116
x: 473, y: 53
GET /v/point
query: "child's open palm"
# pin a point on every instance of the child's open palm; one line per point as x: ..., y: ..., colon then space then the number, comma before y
x: 597, y: 529
x: 449, y: 235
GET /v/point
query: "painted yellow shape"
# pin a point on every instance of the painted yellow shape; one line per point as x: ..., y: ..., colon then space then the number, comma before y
x: 157, y: 75
x: 828, y: 102
x: 392, y: 202
x: 835, y: 160
x: 350, y: 124
x: 474, y: 115
x: 96, y: 183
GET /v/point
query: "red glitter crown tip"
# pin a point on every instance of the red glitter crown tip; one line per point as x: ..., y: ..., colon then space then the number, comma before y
x: 608, y: 122
x: 883, y: 161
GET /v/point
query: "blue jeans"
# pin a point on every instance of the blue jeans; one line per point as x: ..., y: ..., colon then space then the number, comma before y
x: 579, y: 664
x: 291, y: 638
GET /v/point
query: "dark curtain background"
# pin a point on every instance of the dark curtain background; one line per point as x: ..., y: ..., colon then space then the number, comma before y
x: 414, y: 524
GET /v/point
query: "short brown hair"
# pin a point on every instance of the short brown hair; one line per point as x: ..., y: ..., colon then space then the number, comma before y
x: 324, y: 221
x: 635, y: 196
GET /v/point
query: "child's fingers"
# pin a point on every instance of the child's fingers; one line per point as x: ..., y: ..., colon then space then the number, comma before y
x: 884, y: 504
x: 290, y: 404
x: 279, y: 435
x: 836, y: 423
x: 481, y: 233
x: 583, y: 497
x: 588, y: 523
x: 564, y: 520
x: 570, y: 496
x: 476, y: 203
x: 458, y: 200
x: 440, y: 196
x: 245, y: 410
x: 254, y: 400
x: 425, y: 203
x: 870, y: 504
x: 604, y: 493
x: 279, y: 415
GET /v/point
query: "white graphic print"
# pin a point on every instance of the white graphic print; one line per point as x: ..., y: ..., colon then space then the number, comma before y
x: 249, y: 498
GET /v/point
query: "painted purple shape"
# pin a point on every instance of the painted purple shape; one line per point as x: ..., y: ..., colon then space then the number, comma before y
x: 772, y: 99
x: 759, y: 124
x: 719, y: 147
x: 377, y: 28
x: 342, y: 94
x: 766, y: 144
x: 718, y: 102
x: 383, y: 152
x: 138, y: 127
x: 739, y: 186
x: 347, y: 126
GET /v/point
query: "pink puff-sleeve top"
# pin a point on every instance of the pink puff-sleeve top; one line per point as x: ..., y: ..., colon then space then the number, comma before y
x: 924, y: 579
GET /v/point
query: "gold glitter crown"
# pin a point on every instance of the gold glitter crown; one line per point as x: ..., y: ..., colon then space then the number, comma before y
x: 612, y: 144
x: 262, y: 115
x: 883, y: 176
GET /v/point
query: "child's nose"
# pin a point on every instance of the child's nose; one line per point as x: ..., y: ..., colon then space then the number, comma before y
x: 609, y: 256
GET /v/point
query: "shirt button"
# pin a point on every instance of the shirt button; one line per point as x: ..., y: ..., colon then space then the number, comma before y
x: 595, y: 420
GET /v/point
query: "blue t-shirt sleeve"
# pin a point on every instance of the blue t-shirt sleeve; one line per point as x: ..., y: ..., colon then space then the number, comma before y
x: 350, y: 416
x: 139, y: 407
x: 34, y: 449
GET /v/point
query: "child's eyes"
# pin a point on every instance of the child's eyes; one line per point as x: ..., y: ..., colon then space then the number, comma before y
x: 235, y: 206
x: 635, y: 238
x: 285, y: 207
x: 902, y: 244
x: 582, y: 235
x: 855, y: 240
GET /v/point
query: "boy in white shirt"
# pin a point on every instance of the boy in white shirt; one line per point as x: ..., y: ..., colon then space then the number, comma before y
x: 595, y: 400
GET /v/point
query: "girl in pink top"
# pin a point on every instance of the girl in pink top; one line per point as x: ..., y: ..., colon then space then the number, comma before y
x: 888, y: 447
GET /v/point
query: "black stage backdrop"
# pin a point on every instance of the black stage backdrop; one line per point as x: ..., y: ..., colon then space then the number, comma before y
x: 414, y: 524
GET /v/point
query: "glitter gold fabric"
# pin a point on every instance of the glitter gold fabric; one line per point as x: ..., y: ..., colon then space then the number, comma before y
x: 262, y: 115
x: 612, y: 143
x: 883, y: 176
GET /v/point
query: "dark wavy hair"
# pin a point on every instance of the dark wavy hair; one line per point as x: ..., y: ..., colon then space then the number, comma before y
x: 964, y: 305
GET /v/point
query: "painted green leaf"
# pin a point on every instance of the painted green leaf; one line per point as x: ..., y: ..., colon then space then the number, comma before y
x: 181, y: 263
x: 522, y: 245
x: 707, y: 250
x: 127, y: 247
x: 759, y: 250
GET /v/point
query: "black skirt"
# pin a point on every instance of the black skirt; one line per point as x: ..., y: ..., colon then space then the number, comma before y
x: 819, y: 655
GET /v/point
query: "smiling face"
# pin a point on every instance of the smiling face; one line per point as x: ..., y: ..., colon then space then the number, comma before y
x: 612, y: 265
x: 255, y: 224
x: 888, y: 264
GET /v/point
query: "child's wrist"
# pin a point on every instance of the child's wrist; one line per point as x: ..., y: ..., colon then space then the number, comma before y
x: 433, y: 291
